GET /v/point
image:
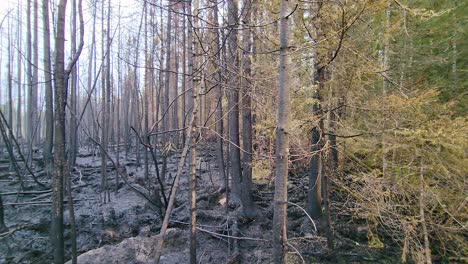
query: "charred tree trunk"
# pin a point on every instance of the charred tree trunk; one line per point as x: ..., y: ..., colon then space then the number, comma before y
x: 314, y: 195
x: 3, y: 227
x: 60, y: 99
x: 233, y: 101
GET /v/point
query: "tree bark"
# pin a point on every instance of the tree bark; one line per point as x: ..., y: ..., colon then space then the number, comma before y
x: 61, y: 75
x: 314, y: 195
x: 192, y: 137
x: 219, y: 94
x: 60, y: 87
x: 167, y: 118
x: 233, y: 101
x: 3, y: 227
x: 248, y: 206
x: 72, y: 148
x: 282, y: 143
x: 49, y: 115
x: 35, y: 122
x: 19, y: 65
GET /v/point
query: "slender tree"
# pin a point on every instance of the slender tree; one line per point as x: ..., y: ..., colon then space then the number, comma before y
x: 233, y: 100
x: 192, y: 138
x: 3, y: 227
x: 35, y: 122
x: 166, y: 119
x: 73, y: 141
x: 49, y: 112
x: 282, y: 142
x: 61, y: 75
x: 219, y: 95
x: 18, y: 75
x: 248, y: 205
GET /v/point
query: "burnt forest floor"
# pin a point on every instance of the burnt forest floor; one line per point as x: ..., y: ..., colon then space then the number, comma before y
x: 125, y: 229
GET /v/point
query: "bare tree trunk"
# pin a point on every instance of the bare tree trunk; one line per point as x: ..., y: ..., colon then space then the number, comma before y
x: 60, y: 86
x: 166, y: 119
x: 233, y: 101
x: 72, y: 148
x: 49, y: 115
x: 119, y: 97
x: 193, y: 186
x: 30, y: 117
x: 184, y: 77
x: 175, y: 114
x: 146, y: 98
x: 192, y: 135
x: 10, y: 76
x: 248, y: 205
x: 385, y: 74
x: 219, y: 95
x: 108, y: 95
x: 282, y: 143
x: 92, y: 70
x: 332, y: 160
x: 18, y: 114
x: 314, y: 195
x: 61, y: 75
x: 3, y: 227
x: 103, y: 109
x: 35, y: 122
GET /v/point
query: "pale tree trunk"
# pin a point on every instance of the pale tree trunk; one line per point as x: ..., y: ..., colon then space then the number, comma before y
x: 119, y: 97
x: 184, y: 77
x: 49, y: 115
x: 29, y: 74
x: 192, y: 136
x: 233, y: 101
x: 248, y: 205
x: 136, y: 93
x: 72, y: 148
x: 103, y: 109
x: 107, y: 123
x: 219, y: 95
x: 35, y: 80
x: 10, y: 78
x: 175, y: 112
x: 146, y: 98
x: 166, y: 119
x: 91, y: 71
x: 332, y: 158
x: 19, y: 64
x: 282, y: 143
